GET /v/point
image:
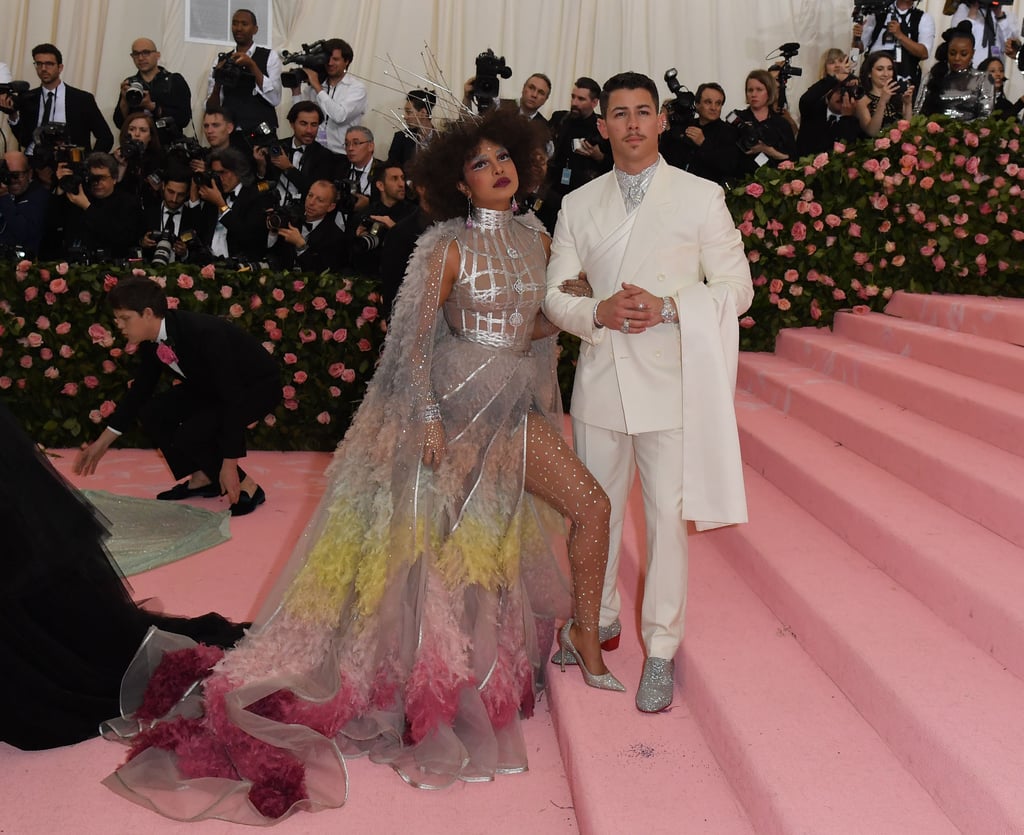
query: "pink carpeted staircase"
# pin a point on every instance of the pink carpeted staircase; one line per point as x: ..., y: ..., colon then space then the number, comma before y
x: 854, y: 654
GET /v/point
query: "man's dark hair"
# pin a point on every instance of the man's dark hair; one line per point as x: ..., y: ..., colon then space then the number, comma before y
x: 220, y: 110
x: 47, y: 49
x: 136, y: 292
x: 233, y: 160
x: 342, y: 46
x: 381, y: 171
x: 101, y: 159
x: 587, y: 83
x: 304, y: 107
x: 249, y: 12
x: 542, y: 77
x: 709, y: 85
x: 628, y: 81
x: 438, y: 168
x: 423, y: 100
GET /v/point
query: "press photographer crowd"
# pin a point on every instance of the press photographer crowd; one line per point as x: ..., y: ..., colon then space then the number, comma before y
x: 316, y: 194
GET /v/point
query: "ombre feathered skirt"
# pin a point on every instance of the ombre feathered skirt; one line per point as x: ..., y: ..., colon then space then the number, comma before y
x: 409, y: 625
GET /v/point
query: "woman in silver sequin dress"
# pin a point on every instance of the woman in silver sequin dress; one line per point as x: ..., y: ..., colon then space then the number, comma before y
x: 412, y: 622
x: 954, y: 87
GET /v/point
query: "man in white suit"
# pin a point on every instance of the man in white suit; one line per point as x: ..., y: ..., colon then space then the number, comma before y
x: 657, y: 370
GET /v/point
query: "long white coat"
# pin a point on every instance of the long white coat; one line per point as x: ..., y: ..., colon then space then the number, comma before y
x: 683, y: 244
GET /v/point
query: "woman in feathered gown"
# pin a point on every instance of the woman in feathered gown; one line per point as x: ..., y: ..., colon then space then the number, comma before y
x: 68, y: 626
x: 406, y: 623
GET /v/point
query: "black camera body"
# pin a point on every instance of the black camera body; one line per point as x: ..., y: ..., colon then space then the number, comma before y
x: 682, y: 110
x: 314, y: 56
x: 230, y: 75
x: 186, y: 149
x: 372, y: 236
x: 291, y: 212
x: 206, y: 178
x: 133, y: 150
x: 14, y: 89
x: 135, y: 92
x: 489, y: 68
x: 748, y: 133
x: 863, y: 8
x: 262, y: 136
x: 164, y: 249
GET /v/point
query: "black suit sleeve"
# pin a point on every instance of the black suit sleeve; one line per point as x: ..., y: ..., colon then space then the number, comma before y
x: 142, y: 386
x: 97, y: 125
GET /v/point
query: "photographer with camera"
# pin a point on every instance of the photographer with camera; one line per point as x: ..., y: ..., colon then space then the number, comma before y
x: 895, y: 26
x: 55, y: 101
x: 359, y: 170
x: 341, y: 97
x: 386, y: 209
x: 765, y: 136
x: 295, y: 162
x: 996, y: 32
x: 99, y: 221
x: 140, y: 156
x: 171, y: 222
x: 311, y: 241
x: 153, y: 89
x: 699, y: 141
x: 887, y: 98
x: 23, y: 203
x: 247, y: 80
x: 828, y: 112
x: 234, y: 213
x: 580, y: 154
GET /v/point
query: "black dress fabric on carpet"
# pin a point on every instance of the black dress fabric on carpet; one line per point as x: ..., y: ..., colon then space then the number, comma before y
x: 68, y: 626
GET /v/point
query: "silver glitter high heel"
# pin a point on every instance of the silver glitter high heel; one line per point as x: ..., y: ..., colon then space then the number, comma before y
x: 602, y: 682
x: 607, y: 635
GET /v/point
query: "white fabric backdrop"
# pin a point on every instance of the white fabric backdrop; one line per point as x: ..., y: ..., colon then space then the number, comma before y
x: 707, y: 40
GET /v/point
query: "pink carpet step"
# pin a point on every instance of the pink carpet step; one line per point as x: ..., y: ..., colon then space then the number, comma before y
x: 949, y: 712
x: 987, y: 412
x: 983, y: 359
x: 629, y: 771
x: 970, y: 577
x: 987, y: 316
x: 968, y: 475
x: 798, y: 753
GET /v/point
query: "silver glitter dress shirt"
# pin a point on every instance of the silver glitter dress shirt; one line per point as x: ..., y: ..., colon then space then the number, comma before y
x: 634, y: 186
x: 966, y: 95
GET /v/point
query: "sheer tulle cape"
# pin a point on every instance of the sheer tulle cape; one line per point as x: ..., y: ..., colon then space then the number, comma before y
x: 405, y: 624
x: 68, y: 626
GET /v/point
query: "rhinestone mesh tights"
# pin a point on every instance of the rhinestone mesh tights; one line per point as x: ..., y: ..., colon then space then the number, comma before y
x: 556, y: 475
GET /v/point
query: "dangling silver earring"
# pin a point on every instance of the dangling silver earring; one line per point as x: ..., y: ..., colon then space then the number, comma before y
x: 515, y: 206
x: 469, y: 212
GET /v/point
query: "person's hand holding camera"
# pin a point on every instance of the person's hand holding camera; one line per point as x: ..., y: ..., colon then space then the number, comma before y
x: 210, y: 192
x: 292, y: 235
x: 695, y: 135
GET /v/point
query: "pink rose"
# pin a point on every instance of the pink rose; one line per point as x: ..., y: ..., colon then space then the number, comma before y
x: 25, y: 361
x: 299, y: 285
x: 201, y: 295
x: 43, y: 323
x: 939, y: 263
x: 855, y: 230
x: 161, y: 280
x: 173, y: 302
x: 95, y: 416
x: 747, y: 322
x: 775, y: 286
x: 880, y: 202
x: 852, y: 173
x: 255, y: 302
x: 66, y: 351
x: 871, y: 165
x: 799, y: 231
x: 299, y: 377
x: 290, y: 359
x: 34, y: 340
x: 209, y: 271
x: 108, y: 366
x: 860, y: 258
x: 319, y: 303
x: 364, y: 345
x: 85, y: 297
x: 299, y: 307
x: 755, y: 189
x: 348, y: 375
x: 928, y: 250
x: 898, y: 260
x: 784, y: 304
x: 369, y: 313
x: 44, y: 275
x: 275, y: 334
x: 960, y: 233
x: 51, y: 373
x: 226, y: 291
x: 324, y: 418
x: 70, y: 389
x: 288, y: 392
x: 270, y: 420
x: 23, y: 266
x: 343, y: 296
x: 109, y: 282
x: 277, y: 294
x: 787, y: 251
x: 1002, y: 217
x: 933, y: 128
x: 334, y: 391
x: 281, y: 312
x: 838, y: 294
x: 791, y: 275
x: 820, y: 161
x: 91, y: 381
x: 185, y: 282
x: 6, y: 382
x: 307, y: 335
x: 796, y: 290
x: 58, y: 285
x: 336, y: 369
x: 236, y: 311
x: 31, y: 293
x: 815, y: 310
x: 340, y: 335
x: 754, y: 256
x: 291, y: 405
x: 63, y: 328
x: 861, y: 309
x: 327, y: 334
x: 927, y: 183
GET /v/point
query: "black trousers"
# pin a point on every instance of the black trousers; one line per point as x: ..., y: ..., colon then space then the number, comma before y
x: 186, y: 425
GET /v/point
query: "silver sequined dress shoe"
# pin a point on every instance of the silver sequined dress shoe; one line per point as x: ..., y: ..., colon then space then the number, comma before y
x: 608, y: 635
x: 656, y: 685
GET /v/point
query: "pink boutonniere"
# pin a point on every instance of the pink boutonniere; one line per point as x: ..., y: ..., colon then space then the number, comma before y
x: 165, y: 353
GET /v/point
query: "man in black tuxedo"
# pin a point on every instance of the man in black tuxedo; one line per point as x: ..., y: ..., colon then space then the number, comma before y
x: 226, y: 381
x: 55, y: 101
x: 580, y: 153
x: 319, y: 244
x: 170, y: 214
x: 166, y: 94
x: 252, y: 86
x: 827, y: 116
x: 300, y: 160
x: 707, y: 146
x: 359, y: 168
x: 234, y: 214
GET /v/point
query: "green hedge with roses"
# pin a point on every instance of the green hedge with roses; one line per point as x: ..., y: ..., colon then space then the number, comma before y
x: 930, y: 206
x: 62, y: 368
